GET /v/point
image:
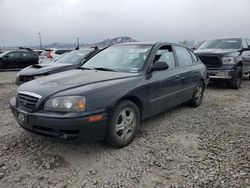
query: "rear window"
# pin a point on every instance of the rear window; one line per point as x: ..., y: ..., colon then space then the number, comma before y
x: 60, y: 52
x: 44, y: 53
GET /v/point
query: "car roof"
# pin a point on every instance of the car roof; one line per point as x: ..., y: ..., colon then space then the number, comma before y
x: 150, y: 43
x: 137, y: 43
x: 227, y: 38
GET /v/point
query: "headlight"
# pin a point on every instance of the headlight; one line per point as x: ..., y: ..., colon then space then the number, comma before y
x: 39, y: 76
x: 66, y: 104
x: 228, y: 60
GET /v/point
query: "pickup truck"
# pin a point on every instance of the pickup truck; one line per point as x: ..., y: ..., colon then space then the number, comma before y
x: 226, y: 59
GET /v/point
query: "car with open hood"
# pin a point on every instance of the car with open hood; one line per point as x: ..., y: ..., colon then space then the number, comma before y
x: 111, y: 93
x: 68, y: 61
x: 226, y: 59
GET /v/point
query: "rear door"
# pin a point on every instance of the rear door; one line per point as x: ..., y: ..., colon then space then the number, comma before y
x: 190, y: 75
x: 28, y: 59
x: 164, y: 86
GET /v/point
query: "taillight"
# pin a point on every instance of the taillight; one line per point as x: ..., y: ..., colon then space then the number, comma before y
x: 49, y: 54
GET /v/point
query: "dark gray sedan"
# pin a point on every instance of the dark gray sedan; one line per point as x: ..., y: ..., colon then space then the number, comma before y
x: 112, y: 93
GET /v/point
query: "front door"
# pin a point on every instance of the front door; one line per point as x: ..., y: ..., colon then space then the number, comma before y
x: 12, y: 60
x: 164, y: 86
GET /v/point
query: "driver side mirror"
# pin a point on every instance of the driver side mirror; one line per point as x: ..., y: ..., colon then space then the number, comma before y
x: 159, y: 65
x: 6, y: 56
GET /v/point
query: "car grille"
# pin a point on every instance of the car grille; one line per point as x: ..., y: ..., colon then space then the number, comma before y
x: 211, y: 61
x: 25, y: 78
x: 28, y: 100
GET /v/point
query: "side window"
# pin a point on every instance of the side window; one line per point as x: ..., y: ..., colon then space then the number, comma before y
x: 184, y: 57
x: 165, y: 54
x: 244, y: 43
x: 193, y: 56
x: 248, y: 42
x: 27, y: 55
x: 14, y: 54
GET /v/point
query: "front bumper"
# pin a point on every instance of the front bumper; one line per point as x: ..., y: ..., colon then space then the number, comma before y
x: 219, y: 74
x: 60, y: 127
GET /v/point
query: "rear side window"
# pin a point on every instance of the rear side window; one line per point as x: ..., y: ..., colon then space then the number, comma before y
x: 60, y: 52
x: 165, y: 54
x: 27, y: 54
x: 14, y: 55
x: 183, y: 56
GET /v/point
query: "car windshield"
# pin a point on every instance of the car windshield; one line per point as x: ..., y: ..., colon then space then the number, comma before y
x: 124, y: 58
x: 221, y: 44
x: 73, y: 57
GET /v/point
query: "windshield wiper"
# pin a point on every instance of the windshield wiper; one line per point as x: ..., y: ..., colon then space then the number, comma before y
x: 85, y: 68
x: 105, y: 69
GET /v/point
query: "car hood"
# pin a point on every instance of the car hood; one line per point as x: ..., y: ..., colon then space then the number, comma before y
x: 67, y: 80
x: 221, y: 52
x: 44, y: 68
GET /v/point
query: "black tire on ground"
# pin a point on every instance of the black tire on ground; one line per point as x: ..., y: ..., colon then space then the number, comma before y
x: 124, y: 124
x: 198, y: 95
x: 235, y: 82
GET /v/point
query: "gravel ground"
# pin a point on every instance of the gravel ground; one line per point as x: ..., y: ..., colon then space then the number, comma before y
x: 207, y: 146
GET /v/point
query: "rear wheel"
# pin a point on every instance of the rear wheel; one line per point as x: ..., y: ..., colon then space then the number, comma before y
x: 235, y: 82
x: 198, y: 95
x: 124, y: 124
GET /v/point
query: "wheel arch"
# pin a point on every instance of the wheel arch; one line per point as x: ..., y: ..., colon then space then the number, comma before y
x: 133, y: 99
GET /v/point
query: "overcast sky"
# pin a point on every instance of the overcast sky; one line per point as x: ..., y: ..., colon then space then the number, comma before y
x: 95, y: 20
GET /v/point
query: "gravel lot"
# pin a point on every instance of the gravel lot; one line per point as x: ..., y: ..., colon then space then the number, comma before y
x: 207, y: 146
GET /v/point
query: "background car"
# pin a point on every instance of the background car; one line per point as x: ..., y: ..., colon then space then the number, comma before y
x: 51, y: 54
x: 226, y: 59
x: 17, y: 59
x: 111, y: 93
x: 67, y: 61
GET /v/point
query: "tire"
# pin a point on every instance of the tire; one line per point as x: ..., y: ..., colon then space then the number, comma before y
x: 124, y: 124
x: 235, y: 82
x: 198, y: 95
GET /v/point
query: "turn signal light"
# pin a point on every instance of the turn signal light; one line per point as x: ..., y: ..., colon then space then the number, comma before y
x: 95, y: 118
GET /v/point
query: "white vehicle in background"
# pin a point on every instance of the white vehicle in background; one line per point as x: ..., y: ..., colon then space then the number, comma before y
x: 38, y: 51
x: 51, y: 54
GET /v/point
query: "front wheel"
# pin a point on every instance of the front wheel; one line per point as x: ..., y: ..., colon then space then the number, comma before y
x: 235, y: 82
x: 198, y: 95
x: 124, y: 124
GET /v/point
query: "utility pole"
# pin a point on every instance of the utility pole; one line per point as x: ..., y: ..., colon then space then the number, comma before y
x: 3, y: 43
x: 77, y: 41
x: 40, y: 39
